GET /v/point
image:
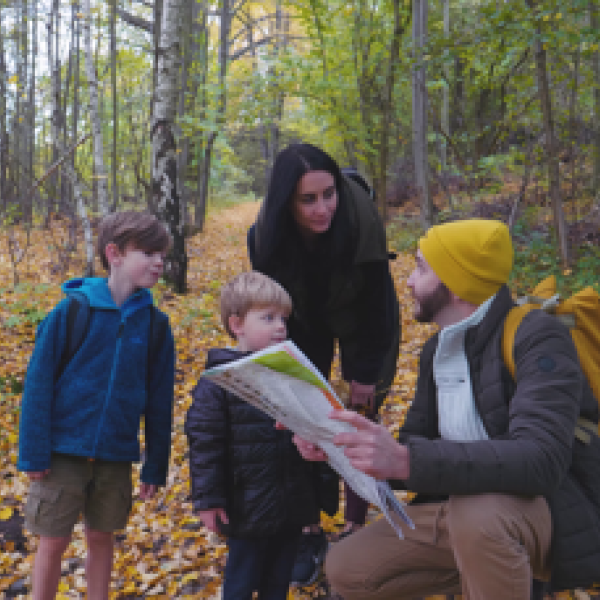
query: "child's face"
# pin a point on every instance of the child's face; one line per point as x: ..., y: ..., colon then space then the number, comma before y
x: 140, y: 268
x: 261, y: 327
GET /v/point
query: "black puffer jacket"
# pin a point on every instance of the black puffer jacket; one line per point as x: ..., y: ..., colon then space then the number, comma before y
x: 532, y: 449
x: 240, y: 462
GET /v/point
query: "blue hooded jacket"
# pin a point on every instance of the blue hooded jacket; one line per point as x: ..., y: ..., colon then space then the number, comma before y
x: 94, y: 408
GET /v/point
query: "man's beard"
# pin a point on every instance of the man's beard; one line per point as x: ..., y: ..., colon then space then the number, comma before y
x: 433, y: 303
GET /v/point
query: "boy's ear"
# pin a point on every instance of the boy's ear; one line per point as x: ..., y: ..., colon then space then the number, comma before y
x: 112, y: 253
x: 235, y: 324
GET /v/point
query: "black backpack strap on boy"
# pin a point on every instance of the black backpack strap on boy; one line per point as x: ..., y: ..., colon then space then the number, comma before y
x: 78, y: 321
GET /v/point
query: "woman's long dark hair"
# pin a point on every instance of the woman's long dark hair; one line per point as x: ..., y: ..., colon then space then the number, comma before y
x: 275, y: 226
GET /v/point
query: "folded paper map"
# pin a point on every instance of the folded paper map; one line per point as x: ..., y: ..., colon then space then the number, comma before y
x: 283, y: 383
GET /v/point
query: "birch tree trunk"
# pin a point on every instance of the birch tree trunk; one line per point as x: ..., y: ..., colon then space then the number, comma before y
x: 164, y: 150
x: 32, y: 86
x: 201, y: 34
x: 419, y: 109
x: 17, y: 129
x: 55, y: 129
x: 102, y: 181
x: 551, y: 153
x: 115, y: 113
x: 3, y: 127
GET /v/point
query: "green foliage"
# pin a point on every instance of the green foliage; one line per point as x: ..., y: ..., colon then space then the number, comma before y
x: 403, y: 234
x: 536, y: 258
x: 26, y: 311
x: 11, y: 384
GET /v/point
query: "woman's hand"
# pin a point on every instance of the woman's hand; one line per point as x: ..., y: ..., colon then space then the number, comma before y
x: 308, y: 450
x: 212, y: 517
x: 362, y: 396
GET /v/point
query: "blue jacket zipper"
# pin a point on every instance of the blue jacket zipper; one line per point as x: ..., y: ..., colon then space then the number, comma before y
x: 110, y: 384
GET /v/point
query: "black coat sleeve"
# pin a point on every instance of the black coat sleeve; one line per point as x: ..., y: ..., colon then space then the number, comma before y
x: 376, y: 325
x: 206, y: 428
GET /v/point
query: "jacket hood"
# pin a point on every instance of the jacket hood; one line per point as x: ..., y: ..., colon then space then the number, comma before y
x: 219, y: 356
x: 96, y: 290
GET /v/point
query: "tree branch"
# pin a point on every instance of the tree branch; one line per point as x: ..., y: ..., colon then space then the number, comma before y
x: 136, y: 21
x: 265, y: 40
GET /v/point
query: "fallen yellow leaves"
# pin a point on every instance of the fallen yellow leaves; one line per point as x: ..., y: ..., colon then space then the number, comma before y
x: 164, y: 551
x: 6, y: 513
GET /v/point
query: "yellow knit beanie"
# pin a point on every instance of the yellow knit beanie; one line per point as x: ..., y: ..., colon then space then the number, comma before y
x: 473, y: 257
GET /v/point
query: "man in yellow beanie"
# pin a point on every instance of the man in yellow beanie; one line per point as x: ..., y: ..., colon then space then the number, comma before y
x: 505, y: 492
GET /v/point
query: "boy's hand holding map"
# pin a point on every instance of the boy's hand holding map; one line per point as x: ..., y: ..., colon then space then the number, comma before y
x: 282, y: 382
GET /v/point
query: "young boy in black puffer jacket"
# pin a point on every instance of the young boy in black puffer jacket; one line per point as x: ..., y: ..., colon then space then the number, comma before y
x: 248, y: 480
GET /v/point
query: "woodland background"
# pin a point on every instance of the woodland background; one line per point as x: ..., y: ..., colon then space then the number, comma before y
x: 450, y: 109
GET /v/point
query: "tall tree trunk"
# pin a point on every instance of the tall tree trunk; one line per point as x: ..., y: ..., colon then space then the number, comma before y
x: 595, y: 26
x: 164, y: 150
x: 277, y: 94
x: 115, y: 115
x: 17, y: 130
x: 222, y: 102
x: 573, y: 123
x: 457, y: 111
x: 445, y: 95
x: 75, y: 111
x: 3, y: 118
x: 100, y: 171
x: 551, y: 153
x: 158, y: 11
x: 32, y: 86
x: 56, y: 122
x: 387, y: 110
x: 420, y: 112
x: 202, y: 175
x: 55, y: 201
x: 184, y: 95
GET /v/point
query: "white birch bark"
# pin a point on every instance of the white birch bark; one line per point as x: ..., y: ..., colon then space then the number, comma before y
x: 90, y: 70
x: 70, y: 172
x: 164, y: 147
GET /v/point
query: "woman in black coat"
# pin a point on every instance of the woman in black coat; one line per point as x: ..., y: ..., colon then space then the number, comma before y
x: 319, y: 235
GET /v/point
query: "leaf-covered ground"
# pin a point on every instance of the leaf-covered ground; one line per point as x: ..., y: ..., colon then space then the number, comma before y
x: 164, y: 551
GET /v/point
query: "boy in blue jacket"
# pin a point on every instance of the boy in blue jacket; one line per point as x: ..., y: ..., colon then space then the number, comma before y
x: 80, y: 414
x: 248, y: 480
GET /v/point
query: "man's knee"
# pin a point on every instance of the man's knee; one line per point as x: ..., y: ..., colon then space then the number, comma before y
x: 472, y: 519
x: 336, y: 565
x: 487, y: 519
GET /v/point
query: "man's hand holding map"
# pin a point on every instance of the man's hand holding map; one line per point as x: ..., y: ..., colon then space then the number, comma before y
x: 283, y: 383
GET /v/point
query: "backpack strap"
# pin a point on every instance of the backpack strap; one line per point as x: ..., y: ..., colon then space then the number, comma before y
x: 584, y: 429
x: 511, y: 324
x: 78, y: 316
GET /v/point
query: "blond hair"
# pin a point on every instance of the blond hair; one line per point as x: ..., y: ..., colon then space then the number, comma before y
x: 251, y: 290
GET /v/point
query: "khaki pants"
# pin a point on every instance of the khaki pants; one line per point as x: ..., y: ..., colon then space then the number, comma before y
x: 487, y: 547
